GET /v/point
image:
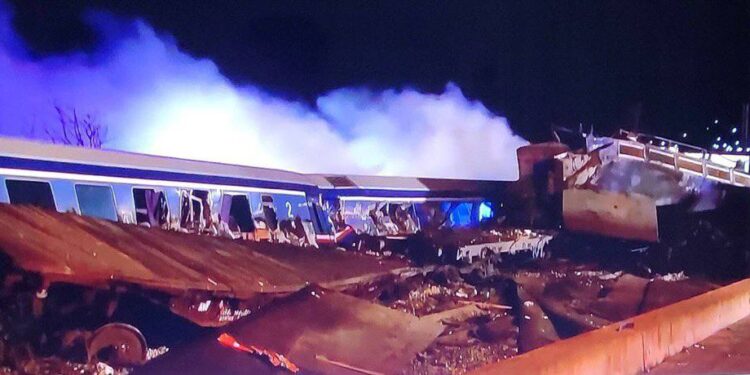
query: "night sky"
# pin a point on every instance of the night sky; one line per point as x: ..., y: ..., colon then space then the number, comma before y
x: 679, y: 64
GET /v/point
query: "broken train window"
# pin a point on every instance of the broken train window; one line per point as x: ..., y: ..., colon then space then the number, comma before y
x: 236, y: 212
x: 195, y: 210
x: 404, y: 216
x: 269, y: 215
x: 150, y: 207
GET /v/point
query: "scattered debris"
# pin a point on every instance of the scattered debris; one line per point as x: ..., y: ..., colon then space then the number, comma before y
x: 511, y: 241
x: 323, y: 358
x: 384, y: 317
x: 674, y: 276
x: 276, y: 359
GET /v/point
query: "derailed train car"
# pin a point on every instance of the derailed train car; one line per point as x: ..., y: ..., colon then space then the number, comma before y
x: 234, y: 201
x: 394, y: 208
x: 668, y: 198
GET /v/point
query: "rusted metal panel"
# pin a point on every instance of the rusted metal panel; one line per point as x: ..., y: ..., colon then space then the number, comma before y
x: 93, y: 252
x: 530, y: 156
x: 661, y: 156
x: 636, y: 151
x: 319, y: 330
x: 721, y: 173
x: 742, y: 179
x: 689, y: 164
x: 628, y: 216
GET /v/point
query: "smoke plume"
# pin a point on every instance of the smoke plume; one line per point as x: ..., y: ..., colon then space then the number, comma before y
x: 157, y: 99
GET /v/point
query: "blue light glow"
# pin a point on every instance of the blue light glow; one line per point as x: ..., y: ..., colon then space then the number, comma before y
x: 485, y: 211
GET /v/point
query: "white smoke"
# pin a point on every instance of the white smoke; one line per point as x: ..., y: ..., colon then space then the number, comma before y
x: 156, y: 99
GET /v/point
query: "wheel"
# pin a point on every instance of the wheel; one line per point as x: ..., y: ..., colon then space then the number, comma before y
x: 117, y: 344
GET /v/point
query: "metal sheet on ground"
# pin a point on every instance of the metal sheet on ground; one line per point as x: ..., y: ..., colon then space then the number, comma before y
x: 316, y: 328
x: 93, y: 252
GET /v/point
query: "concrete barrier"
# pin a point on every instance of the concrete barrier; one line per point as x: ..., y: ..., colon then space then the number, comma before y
x: 637, y: 344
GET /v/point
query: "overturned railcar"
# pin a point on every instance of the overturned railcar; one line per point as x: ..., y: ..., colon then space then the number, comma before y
x: 234, y: 201
x: 680, y: 202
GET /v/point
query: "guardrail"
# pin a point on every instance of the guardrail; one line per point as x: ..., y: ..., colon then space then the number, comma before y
x: 667, y: 156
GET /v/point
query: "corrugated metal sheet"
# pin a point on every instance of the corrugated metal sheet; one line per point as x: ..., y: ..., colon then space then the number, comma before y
x: 93, y: 252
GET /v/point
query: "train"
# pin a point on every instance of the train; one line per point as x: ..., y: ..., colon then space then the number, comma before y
x: 241, y: 202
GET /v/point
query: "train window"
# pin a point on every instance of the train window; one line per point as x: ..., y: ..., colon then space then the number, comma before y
x: 195, y: 210
x: 320, y: 214
x: 485, y: 211
x: 269, y: 212
x: 403, y: 215
x: 236, y: 211
x: 96, y: 201
x: 460, y: 214
x: 150, y: 207
x: 32, y: 193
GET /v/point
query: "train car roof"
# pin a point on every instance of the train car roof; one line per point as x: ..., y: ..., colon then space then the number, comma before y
x: 34, y: 150
x: 25, y: 149
x: 343, y: 182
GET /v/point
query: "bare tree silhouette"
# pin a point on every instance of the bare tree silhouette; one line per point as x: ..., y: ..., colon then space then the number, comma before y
x: 73, y: 130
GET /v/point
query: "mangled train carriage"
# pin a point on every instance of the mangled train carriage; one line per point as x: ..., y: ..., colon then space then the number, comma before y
x: 234, y: 201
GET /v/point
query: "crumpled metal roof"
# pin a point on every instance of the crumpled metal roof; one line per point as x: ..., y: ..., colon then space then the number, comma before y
x: 65, y: 247
x: 319, y: 330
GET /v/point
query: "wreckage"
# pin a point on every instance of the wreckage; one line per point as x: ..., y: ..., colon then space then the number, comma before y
x: 57, y: 265
x: 621, y: 181
x: 88, y: 229
x: 120, y: 252
x: 631, y: 186
x: 234, y: 201
x: 355, y: 212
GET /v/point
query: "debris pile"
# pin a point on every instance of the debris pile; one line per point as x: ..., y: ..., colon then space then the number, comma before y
x: 273, y: 308
x: 518, y: 307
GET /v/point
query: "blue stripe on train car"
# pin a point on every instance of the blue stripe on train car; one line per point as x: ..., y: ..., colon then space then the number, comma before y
x: 124, y: 172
